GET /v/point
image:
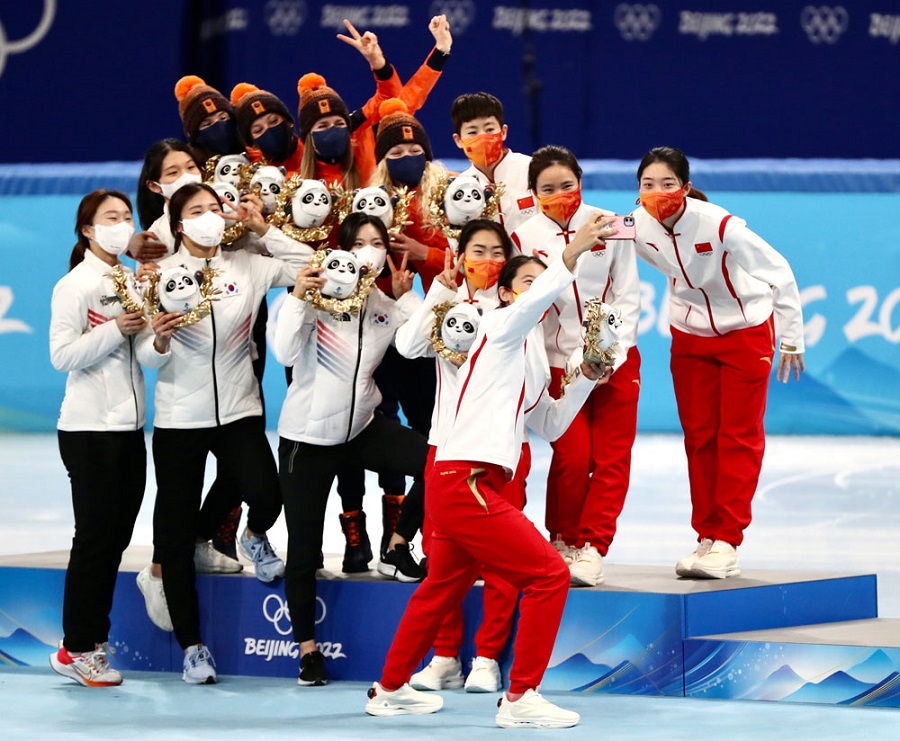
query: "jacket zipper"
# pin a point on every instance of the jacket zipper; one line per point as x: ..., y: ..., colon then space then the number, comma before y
x: 355, y: 374
x: 137, y: 416
x: 212, y: 316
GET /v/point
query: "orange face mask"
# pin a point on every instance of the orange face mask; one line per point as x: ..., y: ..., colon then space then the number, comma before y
x: 560, y: 206
x: 662, y: 205
x: 483, y: 150
x: 482, y: 274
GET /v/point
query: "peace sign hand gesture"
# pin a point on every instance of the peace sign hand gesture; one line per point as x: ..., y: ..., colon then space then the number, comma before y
x: 447, y: 277
x: 401, y: 278
x: 367, y: 45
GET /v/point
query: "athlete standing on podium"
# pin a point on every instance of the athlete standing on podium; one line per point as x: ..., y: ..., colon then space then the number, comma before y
x: 474, y: 527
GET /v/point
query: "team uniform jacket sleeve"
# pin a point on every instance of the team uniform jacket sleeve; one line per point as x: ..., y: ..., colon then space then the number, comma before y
x: 513, y: 324
x: 296, y: 320
x: 413, y: 339
x: 550, y: 417
x: 416, y: 90
x: 403, y: 309
x: 289, y: 256
x: 71, y: 347
x: 387, y: 85
x: 764, y: 262
x: 147, y: 355
x: 625, y: 295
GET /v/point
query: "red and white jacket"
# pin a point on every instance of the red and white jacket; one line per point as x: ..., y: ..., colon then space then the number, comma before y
x: 333, y: 396
x: 206, y: 377
x: 517, y: 204
x: 105, y: 387
x: 722, y: 275
x: 608, y: 272
x: 487, y: 413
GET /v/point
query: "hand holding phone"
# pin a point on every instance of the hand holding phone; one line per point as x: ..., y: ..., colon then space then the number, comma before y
x: 624, y: 228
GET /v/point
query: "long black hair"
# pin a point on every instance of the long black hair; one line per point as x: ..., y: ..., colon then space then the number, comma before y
x: 150, y: 205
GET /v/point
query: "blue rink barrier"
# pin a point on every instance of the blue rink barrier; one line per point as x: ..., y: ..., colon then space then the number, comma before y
x: 835, y: 222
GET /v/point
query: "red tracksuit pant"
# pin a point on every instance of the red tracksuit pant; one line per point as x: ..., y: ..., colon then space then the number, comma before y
x: 720, y: 387
x: 499, y: 596
x: 591, y: 465
x: 476, y: 531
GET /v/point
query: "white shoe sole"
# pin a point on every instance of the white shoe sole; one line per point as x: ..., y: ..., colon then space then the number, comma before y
x: 505, y: 722
x: 207, y: 680
x: 383, y: 711
x: 73, y: 674
x: 483, y: 688
x: 585, y: 580
x: 166, y: 626
x: 393, y: 572
x: 699, y: 572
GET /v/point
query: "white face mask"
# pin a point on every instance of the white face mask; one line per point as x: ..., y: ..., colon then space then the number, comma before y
x: 168, y: 189
x: 113, y: 238
x: 373, y: 256
x: 206, y: 230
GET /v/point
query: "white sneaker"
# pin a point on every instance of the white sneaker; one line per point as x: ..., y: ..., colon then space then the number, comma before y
x: 719, y: 563
x: 199, y: 667
x: 402, y: 701
x: 533, y: 711
x: 259, y: 551
x: 684, y: 566
x: 586, y: 569
x: 90, y: 668
x: 207, y: 560
x: 485, y: 676
x: 155, y: 599
x: 566, y: 552
x: 443, y: 673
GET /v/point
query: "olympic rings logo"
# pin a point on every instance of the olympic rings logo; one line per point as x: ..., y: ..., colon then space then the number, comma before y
x: 824, y: 24
x: 637, y: 22
x: 8, y: 47
x: 460, y: 13
x: 276, y: 611
x: 284, y: 17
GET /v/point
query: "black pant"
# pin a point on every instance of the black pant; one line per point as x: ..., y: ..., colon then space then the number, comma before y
x: 223, y: 496
x: 108, y: 471
x: 243, y: 454
x: 307, y: 473
x: 404, y: 384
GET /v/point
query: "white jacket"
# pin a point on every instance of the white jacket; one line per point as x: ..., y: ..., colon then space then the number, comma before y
x: 517, y: 204
x: 548, y: 417
x: 105, y: 387
x: 488, y: 411
x: 206, y: 377
x: 609, y: 273
x: 333, y: 397
x: 723, y: 276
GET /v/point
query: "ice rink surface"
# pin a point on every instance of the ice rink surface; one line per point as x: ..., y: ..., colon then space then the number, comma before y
x: 823, y: 504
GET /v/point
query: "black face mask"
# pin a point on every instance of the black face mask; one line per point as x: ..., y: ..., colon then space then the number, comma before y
x: 277, y: 142
x: 331, y: 144
x: 220, y: 138
x: 407, y: 170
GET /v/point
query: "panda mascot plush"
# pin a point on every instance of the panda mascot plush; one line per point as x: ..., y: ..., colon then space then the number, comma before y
x: 311, y: 204
x: 228, y: 168
x: 341, y: 271
x: 268, y: 181
x: 178, y: 290
x: 375, y: 202
x: 460, y: 326
x: 464, y: 200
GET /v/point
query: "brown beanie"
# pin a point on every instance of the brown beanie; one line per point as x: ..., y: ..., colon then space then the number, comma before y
x: 397, y: 126
x: 317, y: 100
x: 250, y: 103
x: 196, y: 101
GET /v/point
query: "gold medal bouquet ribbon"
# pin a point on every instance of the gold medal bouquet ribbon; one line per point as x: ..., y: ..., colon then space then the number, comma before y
x: 597, y: 345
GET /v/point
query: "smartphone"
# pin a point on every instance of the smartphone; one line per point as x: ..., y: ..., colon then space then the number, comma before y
x: 624, y: 226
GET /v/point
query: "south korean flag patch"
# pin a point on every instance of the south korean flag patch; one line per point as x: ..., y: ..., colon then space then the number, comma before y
x: 380, y: 319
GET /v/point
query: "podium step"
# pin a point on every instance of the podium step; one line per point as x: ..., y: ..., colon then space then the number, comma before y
x: 855, y: 662
x: 643, y: 632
